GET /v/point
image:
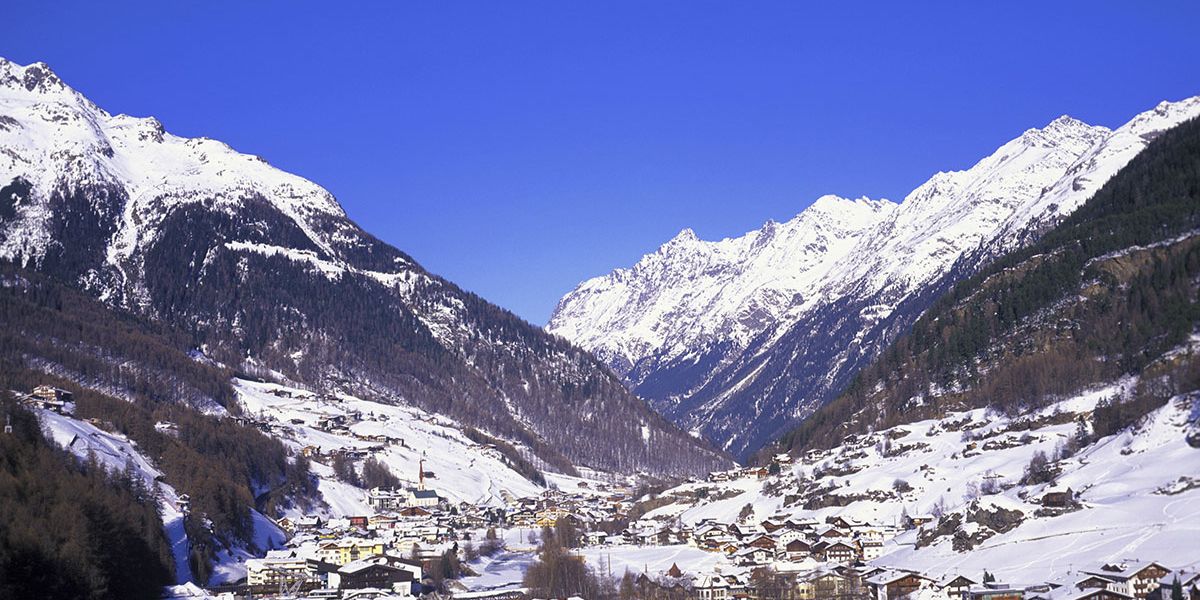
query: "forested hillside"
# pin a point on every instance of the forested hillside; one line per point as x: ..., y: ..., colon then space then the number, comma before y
x: 70, y: 530
x: 1109, y: 292
x: 51, y: 334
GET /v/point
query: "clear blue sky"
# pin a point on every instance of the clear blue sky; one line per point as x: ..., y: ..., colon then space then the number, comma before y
x: 519, y: 148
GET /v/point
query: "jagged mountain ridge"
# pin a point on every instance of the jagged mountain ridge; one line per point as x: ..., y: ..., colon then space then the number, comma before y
x: 1109, y: 293
x: 268, y: 274
x: 741, y: 382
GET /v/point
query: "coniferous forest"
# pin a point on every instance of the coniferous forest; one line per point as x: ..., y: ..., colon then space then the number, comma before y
x: 74, y: 530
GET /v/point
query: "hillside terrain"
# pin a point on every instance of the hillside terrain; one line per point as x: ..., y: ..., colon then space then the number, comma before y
x: 1110, y: 292
x: 262, y: 272
x: 739, y: 340
x: 1043, y: 416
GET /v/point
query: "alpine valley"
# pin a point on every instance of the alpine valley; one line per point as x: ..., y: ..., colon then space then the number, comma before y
x: 739, y: 340
x: 215, y: 383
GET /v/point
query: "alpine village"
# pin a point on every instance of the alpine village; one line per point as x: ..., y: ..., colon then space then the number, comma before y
x: 215, y: 384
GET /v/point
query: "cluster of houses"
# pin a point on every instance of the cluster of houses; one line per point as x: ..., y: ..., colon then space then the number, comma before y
x: 839, y: 540
x: 381, y: 555
x: 603, y: 504
x: 348, y: 569
x: 1114, y: 581
x: 1125, y: 581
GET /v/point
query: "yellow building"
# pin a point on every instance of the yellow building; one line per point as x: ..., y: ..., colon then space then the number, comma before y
x: 348, y: 550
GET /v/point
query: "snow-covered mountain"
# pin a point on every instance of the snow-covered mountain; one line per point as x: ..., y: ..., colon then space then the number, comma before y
x: 268, y: 275
x: 738, y: 339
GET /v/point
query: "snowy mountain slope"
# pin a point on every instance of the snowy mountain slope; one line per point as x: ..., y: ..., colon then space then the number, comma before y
x: 1136, y: 491
x: 265, y: 271
x: 693, y: 293
x: 714, y: 373
x: 116, y: 452
x: 465, y: 471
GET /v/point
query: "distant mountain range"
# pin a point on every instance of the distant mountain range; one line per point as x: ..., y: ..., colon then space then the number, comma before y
x: 739, y: 340
x: 268, y: 276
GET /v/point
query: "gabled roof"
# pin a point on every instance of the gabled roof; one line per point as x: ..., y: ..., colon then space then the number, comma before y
x: 888, y: 577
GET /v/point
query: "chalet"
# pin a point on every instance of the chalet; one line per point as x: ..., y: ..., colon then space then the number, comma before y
x: 522, y: 518
x: 657, y: 537
x: 372, y: 573
x: 1189, y: 582
x: 752, y: 556
x: 957, y: 586
x: 843, y: 523
x: 1136, y: 579
x: 711, y: 587
x: 870, y: 548
x: 307, y: 523
x: 358, y: 522
x: 1095, y: 582
x: 803, y: 524
x: 1062, y: 499
x: 798, y: 550
x: 789, y: 534
x: 383, y: 499
x: 772, y: 525
x: 840, y: 552
x: 51, y: 398
x: 383, y: 522
x: 891, y: 585
x: 831, y: 533
x: 826, y: 584
x: 762, y: 541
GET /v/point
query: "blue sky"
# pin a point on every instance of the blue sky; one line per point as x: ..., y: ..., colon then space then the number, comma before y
x: 518, y: 148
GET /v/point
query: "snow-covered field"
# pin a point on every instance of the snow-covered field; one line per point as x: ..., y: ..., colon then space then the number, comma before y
x: 464, y: 471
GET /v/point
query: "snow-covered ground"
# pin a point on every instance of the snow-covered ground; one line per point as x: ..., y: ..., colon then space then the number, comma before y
x: 463, y: 471
x: 615, y: 560
x: 1138, y: 491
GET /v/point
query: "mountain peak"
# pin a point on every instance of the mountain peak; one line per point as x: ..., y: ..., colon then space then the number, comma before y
x: 1057, y: 131
x: 34, y: 77
x: 685, y: 235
